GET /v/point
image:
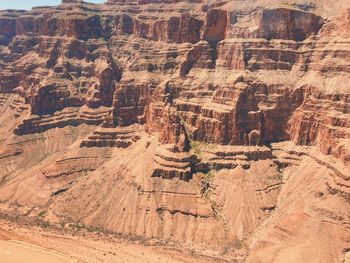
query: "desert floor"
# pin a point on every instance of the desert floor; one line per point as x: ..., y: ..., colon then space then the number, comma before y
x: 33, y: 244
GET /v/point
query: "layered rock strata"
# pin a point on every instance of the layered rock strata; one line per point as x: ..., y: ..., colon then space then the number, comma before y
x: 169, y: 164
x: 221, y: 126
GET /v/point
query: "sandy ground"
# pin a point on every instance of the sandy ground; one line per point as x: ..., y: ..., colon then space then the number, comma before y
x: 16, y: 252
x: 33, y: 244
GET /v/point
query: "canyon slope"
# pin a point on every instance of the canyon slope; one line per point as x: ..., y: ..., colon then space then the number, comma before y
x: 219, y: 127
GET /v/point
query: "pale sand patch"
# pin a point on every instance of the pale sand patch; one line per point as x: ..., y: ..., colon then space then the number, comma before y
x: 19, y: 252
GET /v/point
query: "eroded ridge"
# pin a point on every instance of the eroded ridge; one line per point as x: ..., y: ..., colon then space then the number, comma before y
x: 60, y: 119
x: 220, y: 126
x: 169, y: 164
x: 120, y: 137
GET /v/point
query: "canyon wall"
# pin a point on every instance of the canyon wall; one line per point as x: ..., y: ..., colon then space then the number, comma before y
x: 143, y: 117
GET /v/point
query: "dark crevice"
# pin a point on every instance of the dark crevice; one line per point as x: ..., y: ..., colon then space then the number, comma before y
x: 60, y: 191
x: 214, y: 51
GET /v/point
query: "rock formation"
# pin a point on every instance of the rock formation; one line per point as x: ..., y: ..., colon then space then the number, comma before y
x: 221, y: 126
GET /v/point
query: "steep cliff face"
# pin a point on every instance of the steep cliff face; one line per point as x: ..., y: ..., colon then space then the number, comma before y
x: 184, y: 121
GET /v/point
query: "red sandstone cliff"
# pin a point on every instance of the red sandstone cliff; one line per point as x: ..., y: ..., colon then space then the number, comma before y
x: 191, y: 122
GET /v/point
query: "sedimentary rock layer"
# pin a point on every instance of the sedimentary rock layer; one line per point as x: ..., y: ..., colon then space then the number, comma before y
x: 218, y: 125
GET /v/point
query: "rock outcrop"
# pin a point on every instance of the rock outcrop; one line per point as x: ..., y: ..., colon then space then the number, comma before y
x: 112, y: 137
x: 169, y: 164
x: 187, y: 121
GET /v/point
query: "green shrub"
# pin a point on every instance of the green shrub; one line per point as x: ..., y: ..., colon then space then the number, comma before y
x: 42, y: 213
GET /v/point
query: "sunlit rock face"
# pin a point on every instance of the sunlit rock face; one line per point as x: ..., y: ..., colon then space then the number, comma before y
x: 219, y: 125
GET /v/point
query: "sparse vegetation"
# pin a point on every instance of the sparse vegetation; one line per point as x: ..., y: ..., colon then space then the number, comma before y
x: 42, y: 213
x: 16, y: 204
x: 306, y: 6
x: 209, y: 176
x: 195, y: 147
x: 45, y: 224
x: 198, y: 147
x: 278, y: 177
x: 207, y: 184
x: 62, y: 224
x: 208, y: 192
x: 42, y: 223
x: 185, y: 125
x: 95, y: 229
x: 76, y: 226
x: 160, y: 210
x: 238, y: 244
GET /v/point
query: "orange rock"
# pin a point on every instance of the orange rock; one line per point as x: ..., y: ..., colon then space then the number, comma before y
x: 219, y: 126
